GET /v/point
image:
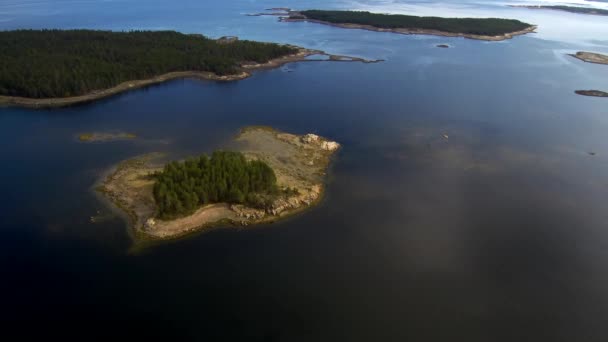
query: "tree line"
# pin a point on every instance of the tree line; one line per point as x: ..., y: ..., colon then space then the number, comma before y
x: 62, y: 63
x: 478, y: 26
x: 573, y: 9
x: 182, y: 187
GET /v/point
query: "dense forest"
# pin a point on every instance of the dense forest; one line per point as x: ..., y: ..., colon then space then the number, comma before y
x: 182, y: 187
x: 478, y: 26
x: 62, y: 63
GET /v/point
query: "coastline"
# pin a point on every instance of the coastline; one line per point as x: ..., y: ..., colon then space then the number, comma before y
x: 246, y: 71
x: 128, y: 186
x: 120, y: 88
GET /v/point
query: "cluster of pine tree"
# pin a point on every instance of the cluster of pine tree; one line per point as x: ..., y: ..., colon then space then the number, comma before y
x: 479, y: 26
x: 61, y: 63
x: 182, y: 187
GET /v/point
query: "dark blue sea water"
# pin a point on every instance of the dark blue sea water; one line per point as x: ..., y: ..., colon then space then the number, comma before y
x: 497, y: 233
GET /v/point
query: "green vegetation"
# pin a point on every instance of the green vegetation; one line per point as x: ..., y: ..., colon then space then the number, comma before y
x: 181, y: 188
x: 63, y: 63
x: 573, y: 9
x: 477, y: 26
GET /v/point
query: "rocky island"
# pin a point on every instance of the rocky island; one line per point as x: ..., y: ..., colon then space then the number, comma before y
x: 271, y: 175
x: 490, y: 29
x: 591, y: 57
x: 53, y: 68
x: 596, y: 93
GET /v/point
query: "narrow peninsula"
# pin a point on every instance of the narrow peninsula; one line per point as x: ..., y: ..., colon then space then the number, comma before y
x: 53, y: 68
x: 269, y: 176
x: 490, y: 29
x: 571, y: 9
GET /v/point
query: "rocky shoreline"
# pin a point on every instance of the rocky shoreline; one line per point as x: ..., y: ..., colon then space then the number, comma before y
x: 299, y: 162
x: 246, y: 70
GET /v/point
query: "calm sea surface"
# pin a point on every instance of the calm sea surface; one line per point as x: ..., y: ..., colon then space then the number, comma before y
x: 497, y: 233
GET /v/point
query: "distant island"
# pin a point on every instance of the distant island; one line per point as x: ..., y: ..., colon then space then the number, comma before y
x: 51, y: 68
x: 272, y: 175
x: 491, y: 29
x: 596, y: 93
x: 105, y: 136
x: 571, y: 9
x: 591, y: 57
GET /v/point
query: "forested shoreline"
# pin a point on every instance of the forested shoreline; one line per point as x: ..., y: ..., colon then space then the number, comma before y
x: 474, y: 26
x: 64, y: 63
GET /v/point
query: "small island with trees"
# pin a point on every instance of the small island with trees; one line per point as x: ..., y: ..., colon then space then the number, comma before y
x: 268, y: 176
x: 491, y: 29
x: 571, y: 9
x: 52, y: 68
